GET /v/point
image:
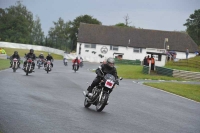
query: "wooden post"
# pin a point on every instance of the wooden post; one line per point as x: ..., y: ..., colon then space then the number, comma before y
x: 149, y: 66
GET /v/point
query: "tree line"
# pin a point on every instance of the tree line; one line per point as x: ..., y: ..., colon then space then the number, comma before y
x: 17, y: 25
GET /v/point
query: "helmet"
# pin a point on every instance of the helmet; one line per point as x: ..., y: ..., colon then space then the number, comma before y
x: 31, y: 51
x: 15, y: 53
x: 110, y: 62
x: 49, y: 53
x: 76, y: 57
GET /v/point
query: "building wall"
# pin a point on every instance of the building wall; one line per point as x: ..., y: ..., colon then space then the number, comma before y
x: 127, y: 51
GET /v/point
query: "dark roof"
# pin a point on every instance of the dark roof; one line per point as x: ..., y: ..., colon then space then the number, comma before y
x: 143, y: 38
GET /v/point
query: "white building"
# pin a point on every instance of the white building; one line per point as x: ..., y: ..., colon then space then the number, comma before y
x: 130, y: 43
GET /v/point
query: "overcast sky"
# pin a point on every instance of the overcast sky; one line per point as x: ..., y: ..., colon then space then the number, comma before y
x: 168, y: 15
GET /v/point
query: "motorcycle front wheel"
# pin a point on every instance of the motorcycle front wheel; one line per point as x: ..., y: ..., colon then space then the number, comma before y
x: 86, y: 104
x: 102, y: 103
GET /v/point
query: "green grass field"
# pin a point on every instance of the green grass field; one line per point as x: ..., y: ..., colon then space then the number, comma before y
x: 4, y: 64
x: 10, y: 51
x: 190, y: 91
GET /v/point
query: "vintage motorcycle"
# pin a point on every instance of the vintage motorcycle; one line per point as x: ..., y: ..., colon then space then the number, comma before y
x: 75, y: 67
x: 100, y: 93
x: 81, y: 63
x: 15, y: 64
x: 48, y: 66
x: 29, y: 66
x: 65, y: 61
x: 40, y: 63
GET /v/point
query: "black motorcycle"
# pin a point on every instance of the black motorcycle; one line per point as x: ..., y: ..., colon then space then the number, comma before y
x: 81, y: 63
x: 100, y: 93
x: 29, y: 66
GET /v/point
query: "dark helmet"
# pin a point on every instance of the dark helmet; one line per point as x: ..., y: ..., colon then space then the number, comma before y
x: 15, y: 53
x: 31, y: 51
x: 111, y: 62
x: 76, y: 57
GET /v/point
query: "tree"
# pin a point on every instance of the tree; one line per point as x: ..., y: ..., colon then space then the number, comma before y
x: 59, y: 34
x: 126, y: 20
x: 16, y: 24
x: 37, y: 35
x: 75, y: 25
x: 126, y: 24
x: 193, y: 26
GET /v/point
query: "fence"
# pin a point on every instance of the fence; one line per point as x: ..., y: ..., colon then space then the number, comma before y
x: 128, y: 62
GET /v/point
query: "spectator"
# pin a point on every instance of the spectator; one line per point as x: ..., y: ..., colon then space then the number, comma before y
x: 152, y: 63
x: 187, y: 53
x: 145, y: 61
x: 148, y: 59
x: 2, y: 51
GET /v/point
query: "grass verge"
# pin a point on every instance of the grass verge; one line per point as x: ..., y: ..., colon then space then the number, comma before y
x: 4, y: 63
x: 190, y: 91
x: 135, y: 72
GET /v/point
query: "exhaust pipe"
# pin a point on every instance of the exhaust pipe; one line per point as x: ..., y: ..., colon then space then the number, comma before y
x: 84, y: 93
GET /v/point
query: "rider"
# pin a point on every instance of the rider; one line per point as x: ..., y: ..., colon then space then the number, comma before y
x: 41, y: 56
x: 49, y: 58
x: 75, y: 61
x: 15, y: 55
x: 107, y: 68
x: 32, y: 56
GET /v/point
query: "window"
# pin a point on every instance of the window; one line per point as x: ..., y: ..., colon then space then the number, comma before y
x: 115, y: 48
x: 87, y: 45
x: 93, y: 46
x: 137, y: 50
x: 90, y: 46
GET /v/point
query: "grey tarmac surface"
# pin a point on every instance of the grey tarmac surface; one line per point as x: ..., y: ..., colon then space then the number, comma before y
x: 53, y: 103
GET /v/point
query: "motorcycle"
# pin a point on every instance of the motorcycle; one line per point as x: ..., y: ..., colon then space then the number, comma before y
x: 75, y: 67
x: 81, y: 63
x: 48, y: 66
x: 15, y: 64
x: 28, y: 68
x: 40, y: 63
x: 100, y: 93
x: 65, y: 62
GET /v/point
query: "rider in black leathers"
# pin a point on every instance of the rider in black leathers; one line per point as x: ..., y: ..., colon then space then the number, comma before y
x: 32, y: 56
x: 50, y: 58
x: 15, y: 55
x: 41, y: 56
x: 107, y: 68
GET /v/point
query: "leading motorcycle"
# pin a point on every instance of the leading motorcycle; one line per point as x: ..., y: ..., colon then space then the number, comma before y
x: 100, y: 93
